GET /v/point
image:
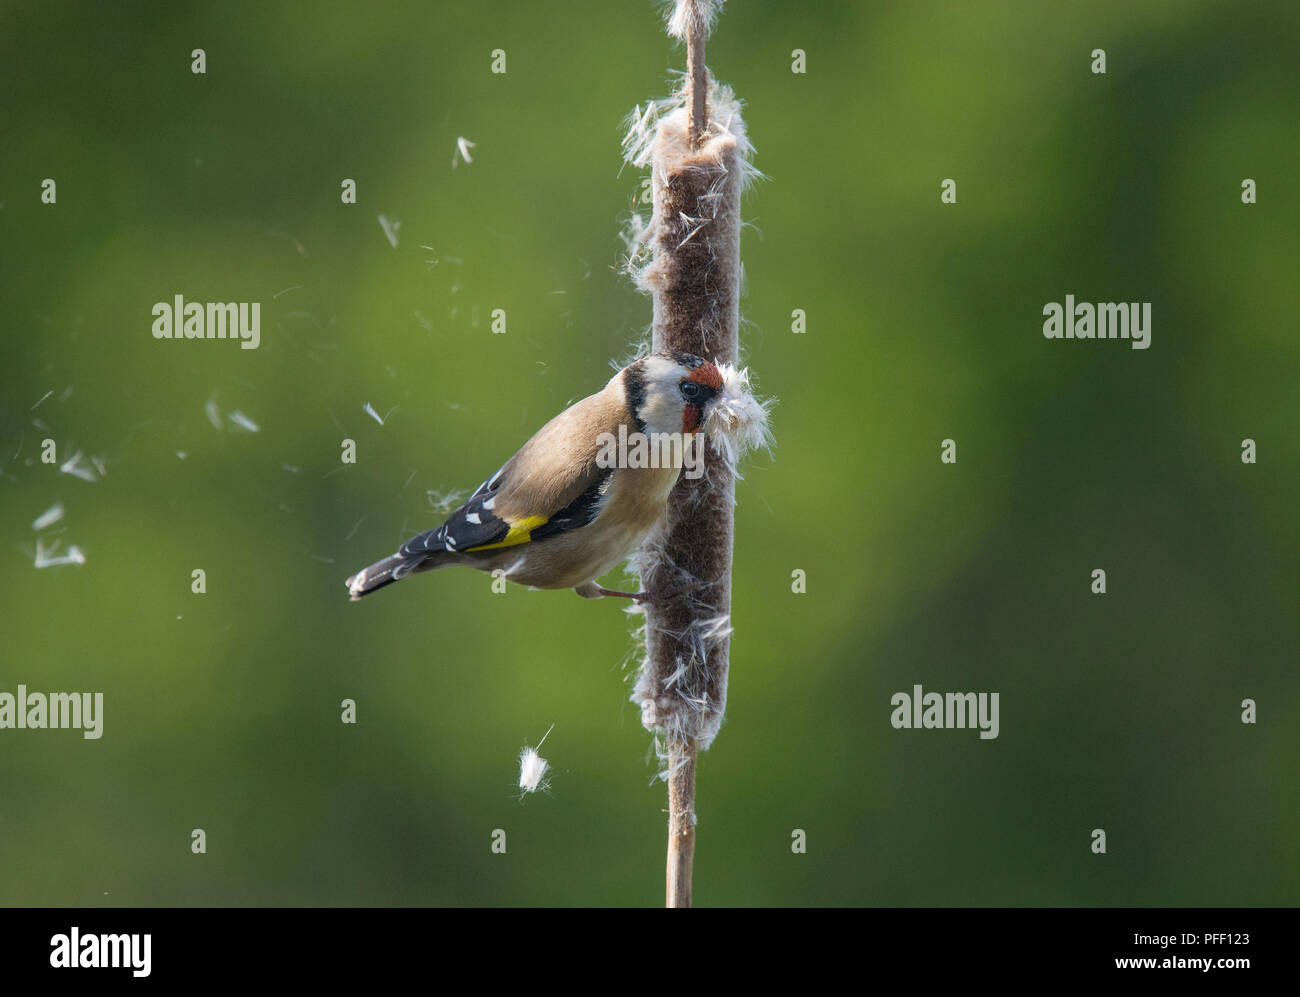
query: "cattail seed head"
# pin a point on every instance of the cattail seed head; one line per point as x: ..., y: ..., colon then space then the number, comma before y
x: 685, y: 18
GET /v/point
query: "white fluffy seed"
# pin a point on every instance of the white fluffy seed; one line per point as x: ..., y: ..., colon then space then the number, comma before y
x: 687, y: 17
x: 532, y: 766
x: 49, y: 517
x: 737, y: 422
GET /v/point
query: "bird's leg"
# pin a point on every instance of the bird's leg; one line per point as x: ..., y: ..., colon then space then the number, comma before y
x: 598, y: 591
x: 658, y: 598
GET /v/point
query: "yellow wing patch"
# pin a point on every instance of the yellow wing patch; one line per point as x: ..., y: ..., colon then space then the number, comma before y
x: 520, y: 533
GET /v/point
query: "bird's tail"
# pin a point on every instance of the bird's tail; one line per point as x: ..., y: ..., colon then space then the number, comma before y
x: 387, y: 571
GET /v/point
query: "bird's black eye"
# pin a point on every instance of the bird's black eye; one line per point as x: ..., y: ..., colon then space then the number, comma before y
x: 692, y: 390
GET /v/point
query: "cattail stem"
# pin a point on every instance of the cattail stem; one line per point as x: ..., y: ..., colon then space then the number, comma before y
x: 697, y: 84
x: 681, y: 823
x: 697, y: 168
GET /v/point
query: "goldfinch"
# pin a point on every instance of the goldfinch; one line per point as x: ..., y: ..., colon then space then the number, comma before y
x: 556, y: 514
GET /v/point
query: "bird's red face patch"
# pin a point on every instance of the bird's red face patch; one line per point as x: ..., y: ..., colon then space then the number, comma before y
x: 707, y: 377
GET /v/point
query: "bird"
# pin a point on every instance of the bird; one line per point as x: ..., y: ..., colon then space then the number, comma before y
x: 557, y: 515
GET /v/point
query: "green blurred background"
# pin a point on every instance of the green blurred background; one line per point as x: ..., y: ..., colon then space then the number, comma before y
x: 222, y: 712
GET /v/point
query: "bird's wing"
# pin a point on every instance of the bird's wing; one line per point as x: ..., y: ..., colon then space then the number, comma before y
x: 552, y: 485
x: 473, y: 526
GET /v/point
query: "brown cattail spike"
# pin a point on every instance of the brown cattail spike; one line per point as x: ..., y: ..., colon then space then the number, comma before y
x: 699, y: 159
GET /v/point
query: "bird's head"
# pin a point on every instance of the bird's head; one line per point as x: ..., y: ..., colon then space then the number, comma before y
x: 671, y: 392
